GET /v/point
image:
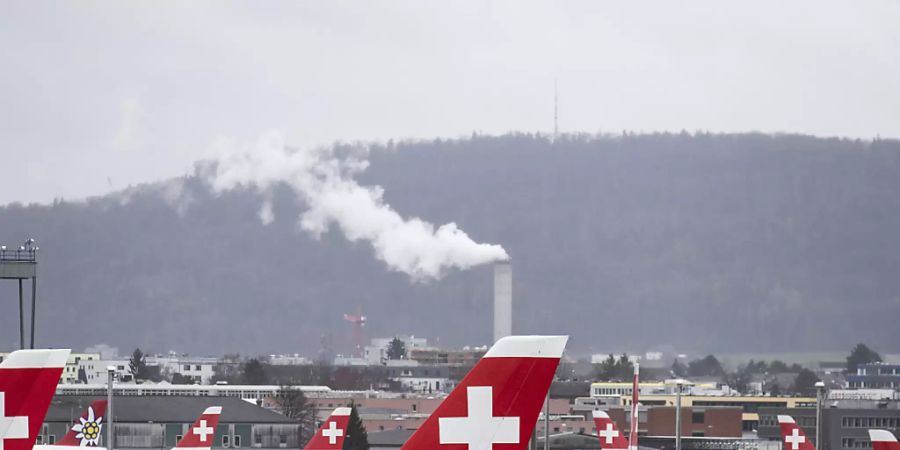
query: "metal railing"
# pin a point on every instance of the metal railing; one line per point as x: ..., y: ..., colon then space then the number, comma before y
x: 26, y: 252
x: 18, y: 255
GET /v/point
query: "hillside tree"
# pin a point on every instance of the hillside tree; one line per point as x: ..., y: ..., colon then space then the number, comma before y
x: 254, y: 373
x: 679, y: 370
x: 357, y: 437
x: 293, y: 404
x: 805, y: 383
x: 707, y: 366
x: 396, y: 349
x: 137, y: 365
x: 861, y: 354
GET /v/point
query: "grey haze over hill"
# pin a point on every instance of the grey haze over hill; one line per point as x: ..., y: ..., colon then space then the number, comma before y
x: 719, y: 242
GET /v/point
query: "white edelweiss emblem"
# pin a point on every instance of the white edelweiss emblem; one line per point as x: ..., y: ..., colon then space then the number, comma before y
x: 89, y: 429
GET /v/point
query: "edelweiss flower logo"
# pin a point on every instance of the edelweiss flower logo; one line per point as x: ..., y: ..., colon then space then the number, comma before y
x: 89, y: 429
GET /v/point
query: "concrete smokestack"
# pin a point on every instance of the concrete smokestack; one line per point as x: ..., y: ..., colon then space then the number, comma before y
x: 502, y: 299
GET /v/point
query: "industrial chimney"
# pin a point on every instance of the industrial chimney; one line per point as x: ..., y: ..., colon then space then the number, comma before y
x: 502, y: 299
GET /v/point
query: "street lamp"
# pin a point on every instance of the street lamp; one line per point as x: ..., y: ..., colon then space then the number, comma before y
x: 679, y: 383
x: 820, y: 399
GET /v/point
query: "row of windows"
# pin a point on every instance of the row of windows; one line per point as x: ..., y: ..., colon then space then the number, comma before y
x: 612, y: 391
x: 802, y: 421
x: 51, y: 439
x: 865, y: 384
x: 875, y: 370
x: 748, y: 407
x: 870, y: 422
x: 855, y: 443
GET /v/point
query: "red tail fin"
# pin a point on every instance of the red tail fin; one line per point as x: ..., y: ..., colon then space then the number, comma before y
x: 495, y: 407
x: 793, y: 435
x: 87, y: 430
x: 28, y: 379
x: 331, y: 434
x: 883, y: 440
x: 202, y: 433
x: 608, y: 432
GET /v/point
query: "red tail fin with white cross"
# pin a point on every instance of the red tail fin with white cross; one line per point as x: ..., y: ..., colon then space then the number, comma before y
x: 793, y: 435
x: 87, y: 430
x: 496, y: 406
x: 202, y: 433
x: 28, y: 379
x: 608, y: 432
x: 883, y: 440
x: 331, y: 434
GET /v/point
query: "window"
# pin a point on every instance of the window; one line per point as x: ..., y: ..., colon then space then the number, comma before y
x: 187, y: 367
x: 698, y: 417
x: 698, y: 434
x: 257, y: 439
x: 414, y: 407
x: 51, y: 439
x: 178, y: 438
x: 197, y: 368
x: 237, y: 441
x: 225, y: 441
x: 282, y: 439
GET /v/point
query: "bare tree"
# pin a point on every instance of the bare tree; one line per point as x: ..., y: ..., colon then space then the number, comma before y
x: 292, y: 402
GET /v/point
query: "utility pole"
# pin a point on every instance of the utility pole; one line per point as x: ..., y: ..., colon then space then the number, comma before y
x: 820, y: 398
x: 547, y: 423
x: 678, y: 386
x: 111, y: 375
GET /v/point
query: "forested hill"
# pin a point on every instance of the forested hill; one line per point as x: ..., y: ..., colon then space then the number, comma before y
x: 702, y: 242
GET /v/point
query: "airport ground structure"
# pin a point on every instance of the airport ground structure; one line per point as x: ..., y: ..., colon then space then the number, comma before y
x: 713, y: 415
x: 157, y: 422
x: 875, y: 376
x: 709, y: 421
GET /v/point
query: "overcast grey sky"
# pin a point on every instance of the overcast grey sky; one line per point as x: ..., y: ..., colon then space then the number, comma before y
x: 99, y: 95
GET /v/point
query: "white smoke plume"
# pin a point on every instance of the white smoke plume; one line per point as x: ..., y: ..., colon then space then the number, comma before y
x: 323, y: 178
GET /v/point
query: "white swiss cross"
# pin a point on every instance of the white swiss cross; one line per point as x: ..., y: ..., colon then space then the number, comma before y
x: 795, y: 439
x: 609, y: 433
x: 201, y: 430
x: 14, y: 427
x: 332, y: 432
x: 480, y: 430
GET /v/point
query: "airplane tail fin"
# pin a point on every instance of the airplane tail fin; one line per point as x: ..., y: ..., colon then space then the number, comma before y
x: 28, y: 379
x: 202, y: 433
x: 883, y: 440
x: 608, y: 432
x: 496, y: 405
x: 332, y: 432
x: 793, y: 436
x: 87, y: 430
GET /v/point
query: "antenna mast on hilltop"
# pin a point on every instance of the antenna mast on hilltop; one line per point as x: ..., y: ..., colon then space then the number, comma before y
x: 555, y: 111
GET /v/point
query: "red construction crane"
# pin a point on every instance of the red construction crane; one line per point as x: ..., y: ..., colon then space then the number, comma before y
x: 359, y: 321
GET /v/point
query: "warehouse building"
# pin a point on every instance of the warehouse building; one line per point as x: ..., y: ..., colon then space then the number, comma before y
x: 145, y: 422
